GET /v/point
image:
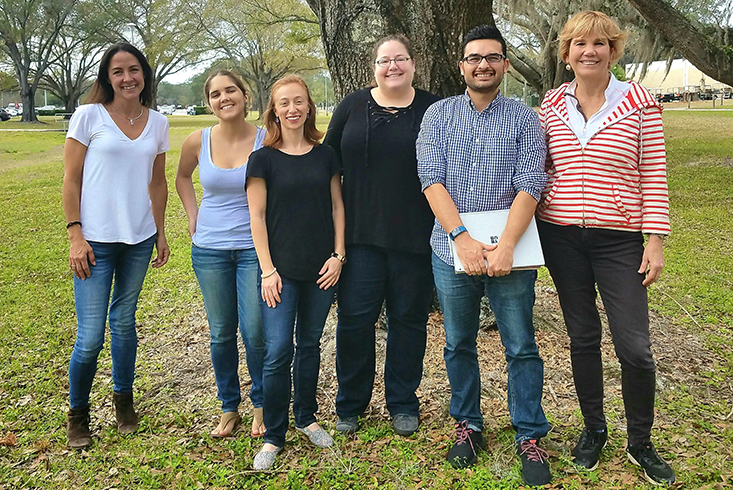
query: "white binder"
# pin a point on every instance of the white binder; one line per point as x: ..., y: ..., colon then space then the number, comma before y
x: 487, y: 227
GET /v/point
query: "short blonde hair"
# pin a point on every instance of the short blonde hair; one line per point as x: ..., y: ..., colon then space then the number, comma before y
x: 591, y: 21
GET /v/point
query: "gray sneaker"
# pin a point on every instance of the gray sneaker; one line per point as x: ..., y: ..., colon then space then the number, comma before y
x: 319, y: 437
x: 347, y: 425
x: 405, y: 424
x: 265, y: 459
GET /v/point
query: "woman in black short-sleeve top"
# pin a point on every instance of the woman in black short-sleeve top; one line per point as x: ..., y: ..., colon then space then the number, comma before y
x: 388, y: 227
x: 297, y: 220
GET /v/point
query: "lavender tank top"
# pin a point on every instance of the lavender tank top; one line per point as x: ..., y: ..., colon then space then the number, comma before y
x: 223, y: 221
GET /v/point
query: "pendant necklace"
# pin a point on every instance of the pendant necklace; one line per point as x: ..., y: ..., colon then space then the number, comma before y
x: 132, y: 119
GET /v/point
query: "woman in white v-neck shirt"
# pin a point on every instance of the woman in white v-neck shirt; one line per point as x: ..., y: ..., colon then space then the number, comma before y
x: 114, y: 197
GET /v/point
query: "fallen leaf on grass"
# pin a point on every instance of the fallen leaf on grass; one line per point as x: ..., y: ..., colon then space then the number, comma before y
x: 9, y: 440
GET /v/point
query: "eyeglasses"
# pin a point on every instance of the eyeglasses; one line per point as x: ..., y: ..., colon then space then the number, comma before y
x: 399, y: 61
x: 475, y: 59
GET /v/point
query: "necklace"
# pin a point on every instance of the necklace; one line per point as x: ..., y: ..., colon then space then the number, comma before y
x: 132, y: 119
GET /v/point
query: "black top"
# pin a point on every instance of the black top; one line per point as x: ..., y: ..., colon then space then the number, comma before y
x: 298, y: 216
x: 382, y: 195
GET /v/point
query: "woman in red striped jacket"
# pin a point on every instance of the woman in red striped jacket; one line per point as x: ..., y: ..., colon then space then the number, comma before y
x: 606, y: 189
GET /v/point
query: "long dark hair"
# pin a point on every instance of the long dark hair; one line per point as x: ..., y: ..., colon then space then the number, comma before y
x: 102, y: 91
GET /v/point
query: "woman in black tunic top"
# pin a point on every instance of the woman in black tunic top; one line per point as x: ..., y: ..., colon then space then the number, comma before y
x: 388, y: 226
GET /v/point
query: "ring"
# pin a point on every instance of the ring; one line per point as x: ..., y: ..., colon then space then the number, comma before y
x: 73, y: 266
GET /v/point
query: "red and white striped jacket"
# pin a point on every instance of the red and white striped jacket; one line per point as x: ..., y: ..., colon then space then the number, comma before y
x: 606, y: 184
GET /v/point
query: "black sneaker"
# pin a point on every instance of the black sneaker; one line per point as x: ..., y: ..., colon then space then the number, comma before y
x: 589, y: 447
x: 655, y: 469
x: 468, y: 443
x: 535, y: 470
x: 347, y: 425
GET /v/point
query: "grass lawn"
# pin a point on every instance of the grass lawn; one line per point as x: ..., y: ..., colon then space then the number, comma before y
x: 692, y: 315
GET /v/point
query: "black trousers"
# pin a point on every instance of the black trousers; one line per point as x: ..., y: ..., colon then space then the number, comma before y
x: 578, y: 260
x: 371, y: 275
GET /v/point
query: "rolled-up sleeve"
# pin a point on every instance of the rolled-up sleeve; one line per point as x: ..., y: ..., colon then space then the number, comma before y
x: 529, y: 175
x: 431, y: 161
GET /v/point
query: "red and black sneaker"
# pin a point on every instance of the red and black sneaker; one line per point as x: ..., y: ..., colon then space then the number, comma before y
x: 468, y: 443
x: 535, y: 470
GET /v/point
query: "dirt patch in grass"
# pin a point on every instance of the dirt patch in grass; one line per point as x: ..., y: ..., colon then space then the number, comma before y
x: 707, y: 162
x: 178, y: 370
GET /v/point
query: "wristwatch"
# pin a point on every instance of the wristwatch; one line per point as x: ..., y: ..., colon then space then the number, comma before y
x: 456, y: 231
x: 337, y: 255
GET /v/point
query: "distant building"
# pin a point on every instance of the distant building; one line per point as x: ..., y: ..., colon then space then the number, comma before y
x: 683, y: 78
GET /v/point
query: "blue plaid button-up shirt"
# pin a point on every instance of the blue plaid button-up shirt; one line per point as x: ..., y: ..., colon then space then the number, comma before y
x: 482, y: 158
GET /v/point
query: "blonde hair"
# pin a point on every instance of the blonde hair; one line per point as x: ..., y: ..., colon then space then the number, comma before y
x: 274, y: 137
x: 591, y: 21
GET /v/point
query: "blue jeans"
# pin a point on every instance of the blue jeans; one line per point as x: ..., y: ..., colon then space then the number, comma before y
x: 228, y: 280
x: 512, y: 299
x: 127, y: 265
x: 405, y: 280
x: 303, y: 307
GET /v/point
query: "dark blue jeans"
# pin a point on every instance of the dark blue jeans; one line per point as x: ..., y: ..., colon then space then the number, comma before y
x: 405, y: 280
x: 303, y: 308
x: 579, y: 259
x: 512, y: 299
x: 228, y: 280
x: 126, y: 265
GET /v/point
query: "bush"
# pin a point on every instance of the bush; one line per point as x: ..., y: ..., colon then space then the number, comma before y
x: 201, y: 109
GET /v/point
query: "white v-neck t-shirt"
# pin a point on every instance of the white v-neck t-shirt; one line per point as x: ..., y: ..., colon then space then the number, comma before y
x: 115, y: 206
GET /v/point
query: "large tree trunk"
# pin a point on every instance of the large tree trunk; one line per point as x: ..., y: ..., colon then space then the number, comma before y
x: 28, y: 95
x: 708, y: 54
x: 435, y: 27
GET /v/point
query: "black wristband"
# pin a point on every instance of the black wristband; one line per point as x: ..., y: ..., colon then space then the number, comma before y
x: 72, y: 223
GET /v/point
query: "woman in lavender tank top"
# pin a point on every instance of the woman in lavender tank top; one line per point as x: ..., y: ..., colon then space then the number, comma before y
x: 222, y: 250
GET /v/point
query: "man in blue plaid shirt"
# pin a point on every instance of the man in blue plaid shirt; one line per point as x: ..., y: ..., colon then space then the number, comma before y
x: 481, y: 151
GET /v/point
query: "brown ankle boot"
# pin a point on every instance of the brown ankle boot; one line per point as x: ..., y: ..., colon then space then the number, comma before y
x: 127, y: 419
x: 77, y: 428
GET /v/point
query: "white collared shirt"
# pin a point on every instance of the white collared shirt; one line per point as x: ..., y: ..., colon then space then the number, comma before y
x: 584, y: 130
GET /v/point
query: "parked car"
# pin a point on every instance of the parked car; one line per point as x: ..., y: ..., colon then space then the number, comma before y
x: 669, y: 97
x: 12, y: 111
x: 191, y: 111
x: 166, y: 110
x: 4, y: 116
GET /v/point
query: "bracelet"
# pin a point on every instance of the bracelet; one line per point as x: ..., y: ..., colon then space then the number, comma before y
x: 336, y: 255
x: 265, y: 276
x: 72, y: 223
x: 456, y: 231
x: 661, y: 237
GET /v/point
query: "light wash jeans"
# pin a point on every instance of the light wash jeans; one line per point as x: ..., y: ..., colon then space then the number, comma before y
x: 228, y: 280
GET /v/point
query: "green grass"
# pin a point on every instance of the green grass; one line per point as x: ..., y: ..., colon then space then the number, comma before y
x: 37, y: 330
